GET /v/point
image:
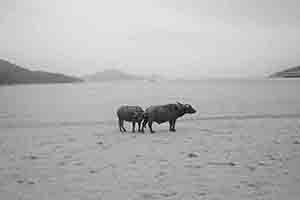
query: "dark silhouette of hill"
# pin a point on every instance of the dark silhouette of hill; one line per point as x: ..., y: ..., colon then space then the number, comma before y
x: 111, y: 75
x: 14, y: 74
x: 293, y: 72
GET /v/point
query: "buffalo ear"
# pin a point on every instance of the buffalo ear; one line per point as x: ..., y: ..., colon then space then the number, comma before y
x: 179, y: 103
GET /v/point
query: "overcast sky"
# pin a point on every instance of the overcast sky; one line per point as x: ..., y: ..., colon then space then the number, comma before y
x: 190, y: 38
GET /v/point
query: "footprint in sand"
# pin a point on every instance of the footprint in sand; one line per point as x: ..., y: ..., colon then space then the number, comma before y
x: 161, y: 174
x: 201, y: 194
x: 72, y: 139
x: 31, y: 157
x: 251, y: 167
x: 158, y: 195
x: 92, y: 171
x: 20, y: 181
x: 98, y: 134
x: 66, y: 160
x: 170, y: 194
x: 78, y: 163
x: 193, y: 155
x: 58, y: 147
x: 29, y: 182
x: 133, y: 162
x: 62, y: 163
x: 67, y: 156
x: 193, y: 166
x: 263, y: 163
x: 296, y: 142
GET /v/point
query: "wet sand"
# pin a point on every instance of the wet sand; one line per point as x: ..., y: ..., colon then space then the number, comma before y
x: 208, y: 159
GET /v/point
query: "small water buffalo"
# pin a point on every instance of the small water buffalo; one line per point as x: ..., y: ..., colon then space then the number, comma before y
x: 132, y: 114
x: 164, y: 113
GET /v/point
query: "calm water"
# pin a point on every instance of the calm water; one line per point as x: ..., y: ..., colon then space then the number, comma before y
x: 92, y: 103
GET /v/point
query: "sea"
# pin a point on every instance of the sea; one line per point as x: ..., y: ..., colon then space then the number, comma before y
x: 90, y: 104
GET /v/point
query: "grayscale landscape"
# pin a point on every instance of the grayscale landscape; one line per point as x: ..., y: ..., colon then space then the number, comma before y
x: 218, y: 82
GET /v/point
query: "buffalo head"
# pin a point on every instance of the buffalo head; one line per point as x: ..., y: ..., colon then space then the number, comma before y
x: 187, y: 108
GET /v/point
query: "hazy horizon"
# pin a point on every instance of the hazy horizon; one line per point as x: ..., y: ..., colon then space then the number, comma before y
x: 188, y: 39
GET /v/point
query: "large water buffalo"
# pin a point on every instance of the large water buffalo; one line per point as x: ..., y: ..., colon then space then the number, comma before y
x: 164, y: 113
x: 132, y: 114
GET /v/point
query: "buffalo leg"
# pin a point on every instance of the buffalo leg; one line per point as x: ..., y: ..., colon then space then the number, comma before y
x: 170, y: 125
x: 120, y: 125
x: 133, y: 127
x: 144, y: 124
x: 174, y: 121
x: 139, y: 123
x: 123, y: 126
x: 150, y: 126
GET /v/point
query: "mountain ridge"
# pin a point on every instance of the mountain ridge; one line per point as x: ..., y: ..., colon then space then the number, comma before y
x: 293, y: 72
x: 14, y: 74
x: 117, y: 75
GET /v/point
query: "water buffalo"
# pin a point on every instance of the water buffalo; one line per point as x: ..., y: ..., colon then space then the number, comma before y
x: 132, y: 114
x: 164, y: 113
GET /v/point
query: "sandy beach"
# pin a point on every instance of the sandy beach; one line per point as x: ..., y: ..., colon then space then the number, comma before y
x: 208, y: 159
x: 223, y: 78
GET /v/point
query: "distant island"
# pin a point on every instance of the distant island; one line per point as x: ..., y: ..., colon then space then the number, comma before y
x: 110, y: 75
x: 293, y: 72
x: 117, y: 75
x: 14, y: 74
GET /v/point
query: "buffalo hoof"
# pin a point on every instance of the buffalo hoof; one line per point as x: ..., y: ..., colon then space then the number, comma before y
x: 152, y: 132
x: 172, y: 130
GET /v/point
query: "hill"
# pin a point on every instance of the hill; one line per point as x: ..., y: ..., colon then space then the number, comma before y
x: 14, y: 74
x: 111, y: 75
x: 293, y: 72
